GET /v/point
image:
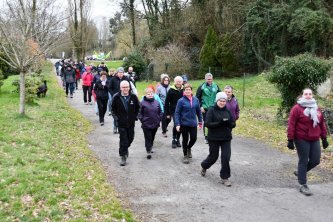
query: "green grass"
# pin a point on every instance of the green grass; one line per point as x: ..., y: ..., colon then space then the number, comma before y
x: 48, y: 173
x: 258, y: 116
x: 110, y: 64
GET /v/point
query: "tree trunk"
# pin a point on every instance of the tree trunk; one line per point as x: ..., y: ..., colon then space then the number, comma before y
x: 132, y: 22
x: 22, y: 93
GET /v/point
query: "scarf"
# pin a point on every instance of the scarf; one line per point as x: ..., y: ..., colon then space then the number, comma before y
x: 310, y: 109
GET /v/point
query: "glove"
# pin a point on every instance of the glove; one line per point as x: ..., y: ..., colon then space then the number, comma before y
x: 291, y: 144
x: 225, y: 123
x: 200, y: 125
x: 324, y: 142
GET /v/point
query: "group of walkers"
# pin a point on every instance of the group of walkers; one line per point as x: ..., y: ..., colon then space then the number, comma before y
x: 211, y: 109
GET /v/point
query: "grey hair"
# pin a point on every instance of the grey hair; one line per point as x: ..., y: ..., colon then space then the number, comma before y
x: 228, y: 87
x: 208, y: 75
x: 178, y: 78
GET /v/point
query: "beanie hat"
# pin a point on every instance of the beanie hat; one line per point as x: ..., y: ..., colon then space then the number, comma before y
x: 221, y: 95
x: 120, y: 69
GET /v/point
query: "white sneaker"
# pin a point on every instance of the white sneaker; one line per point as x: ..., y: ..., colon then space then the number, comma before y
x: 226, y: 182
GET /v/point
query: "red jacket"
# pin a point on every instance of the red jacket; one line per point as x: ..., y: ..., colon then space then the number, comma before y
x: 301, y: 126
x: 87, y: 79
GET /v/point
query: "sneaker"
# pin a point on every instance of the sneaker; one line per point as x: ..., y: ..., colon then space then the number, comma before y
x: 71, y: 95
x: 226, y: 182
x: 189, y: 153
x: 148, y: 155
x: 115, y: 131
x: 164, y: 135
x: 110, y: 113
x: 174, y: 144
x: 296, y: 173
x: 206, y: 141
x: 90, y: 103
x: 85, y: 103
x: 186, y: 160
x: 178, y: 144
x: 96, y: 113
x: 123, y: 161
x: 304, y: 189
x: 102, y: 123
x: 203, y: 172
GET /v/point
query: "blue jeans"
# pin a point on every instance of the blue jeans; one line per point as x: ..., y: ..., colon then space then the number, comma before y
x: 308, y: 157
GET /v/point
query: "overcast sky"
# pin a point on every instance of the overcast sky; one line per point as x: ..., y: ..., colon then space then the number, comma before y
x: 104, y: 8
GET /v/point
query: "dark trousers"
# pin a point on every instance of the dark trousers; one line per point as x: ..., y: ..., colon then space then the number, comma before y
x: 204, y: 120
x: 308, y: 157
x: 149, y: 138
x: 102, y: 106
x: 188, y: 133
x: 71, y: 87
x: 87, y: 89
x: 214, y: 148
x: 175, y: 133
x: 126, y: 137
x: 165, y: 123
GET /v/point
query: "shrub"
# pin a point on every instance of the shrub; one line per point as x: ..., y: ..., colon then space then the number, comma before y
x: 172, y: 59
x: 32, y: 82
x: 292, y: 74
x: 135, y: 60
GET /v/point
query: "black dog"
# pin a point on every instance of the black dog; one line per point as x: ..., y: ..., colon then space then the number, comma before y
x: 41, y: 91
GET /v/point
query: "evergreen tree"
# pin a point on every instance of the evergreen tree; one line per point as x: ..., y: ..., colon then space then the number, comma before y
x: 207, y: 54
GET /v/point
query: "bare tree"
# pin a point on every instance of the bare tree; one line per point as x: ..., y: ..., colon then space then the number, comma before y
x: 28, y: 30
x: 79, y: 13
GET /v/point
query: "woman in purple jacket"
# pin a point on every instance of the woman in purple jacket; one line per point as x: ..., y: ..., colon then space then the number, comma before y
x: 232, y: 103
x: 150, y: 115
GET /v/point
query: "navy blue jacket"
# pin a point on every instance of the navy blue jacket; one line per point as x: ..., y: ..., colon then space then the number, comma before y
x: 186, y: 113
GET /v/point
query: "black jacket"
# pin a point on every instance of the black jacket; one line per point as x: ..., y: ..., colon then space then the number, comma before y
x: 101, y: 91
x: 171, y: 100
x: 126, y: 117
x: 115, y: 84
x: 219, y: 122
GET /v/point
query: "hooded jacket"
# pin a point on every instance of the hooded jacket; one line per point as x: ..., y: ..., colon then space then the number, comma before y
x: 150, y: 113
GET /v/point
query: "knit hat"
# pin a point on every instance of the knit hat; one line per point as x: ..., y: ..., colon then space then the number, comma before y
x: 220, y: 95
x: 120, y: 69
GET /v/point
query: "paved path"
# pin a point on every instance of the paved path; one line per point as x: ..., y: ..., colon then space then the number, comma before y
x: 165, y: 189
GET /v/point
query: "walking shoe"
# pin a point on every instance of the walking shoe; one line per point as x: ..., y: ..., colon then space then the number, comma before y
x: 189, y: 153
x: 148, y: 155
x: 226, y: 182
x: 90, y: 103
x: 203, y: 172
x: 304, y: 189
x: 71, y: 96
x: 102, y: 123
x: 115, y: 131
x: 178, y: 143
x: 206, y: 141
x: 186, y: 160
x: 296, y: 173
x: 164, y: 135
x: 110, y: 113
x: 123, y: 161
x: 96, y: 113
x: 174, y: 144
x: 85, y: 103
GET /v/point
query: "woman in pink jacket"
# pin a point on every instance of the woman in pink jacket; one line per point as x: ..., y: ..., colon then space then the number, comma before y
x: 306, y: 125
x: 87, y: 79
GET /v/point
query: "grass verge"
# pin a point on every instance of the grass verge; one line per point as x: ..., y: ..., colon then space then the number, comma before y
x: 48, y: 173
x: 110, y: 64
